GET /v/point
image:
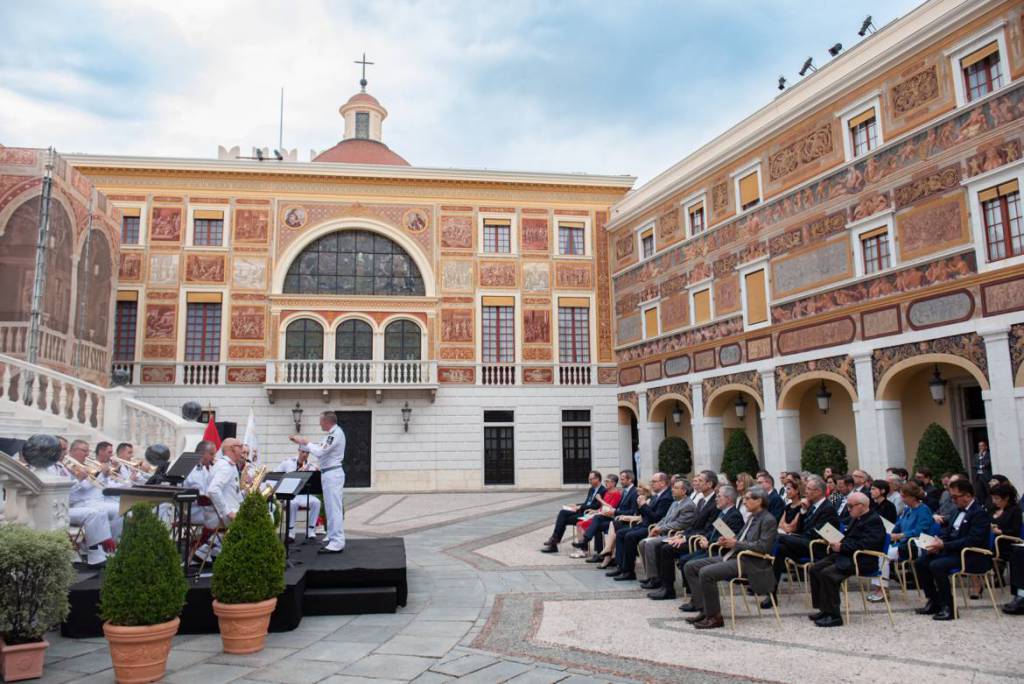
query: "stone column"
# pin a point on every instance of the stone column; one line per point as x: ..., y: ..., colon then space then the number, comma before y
x: 788, y: 426
x: 775, y: 447
x: 708, y: 442
x: 866, y: 418
x: 1001, y: 412
x: 625, y: 446
x: 651, y: 435
x: 889, y: 427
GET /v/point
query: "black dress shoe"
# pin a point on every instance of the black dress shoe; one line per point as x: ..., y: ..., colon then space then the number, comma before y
x: 580, y: 544
x: 928, y: 609
x: 699, y: 617
x: 1014, y: 607
x: 327, y: 550
x: 549, y: 548
x: 689, y: 608
x: 817, y: 616
x: 944, y: 613
x: 613, y: 573
x: 626, y: 577
x: 766, y: 604
x: 829, y: 621
x: 594, y: 559
x: 661, y: 595
x: 653, y: 583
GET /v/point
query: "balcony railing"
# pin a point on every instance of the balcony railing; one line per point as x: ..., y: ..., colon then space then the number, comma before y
x: 352, y: 373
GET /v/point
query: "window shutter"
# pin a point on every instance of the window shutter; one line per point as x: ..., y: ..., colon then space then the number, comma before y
x: 211, y: 214
x: 757, y: 303
x: 499, y: 301
x: 203, y: 297
x: 651, y: 321
x: 979, y: 54
x: 127, y: 295
x: 748, y: 189
x: 873, y: 233
x: 702, y: 306
x: 497, y: 222
x: 574, y: 302
x: 571, y: 224
x: 699, y: 206
x: 1007, y: 188
x: 134, y: 212
x: 862, y: 117
x: 646, y: 234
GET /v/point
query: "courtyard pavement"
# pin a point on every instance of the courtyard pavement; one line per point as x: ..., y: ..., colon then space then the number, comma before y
x: 486, y: 606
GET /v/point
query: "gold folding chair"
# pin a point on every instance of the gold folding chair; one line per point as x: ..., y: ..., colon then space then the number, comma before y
x: 986, y: 577
x: 882, y: 558
x: 900, y: 566
x: 793, y: 568
x: 743, y: 581
x: 999, y: 561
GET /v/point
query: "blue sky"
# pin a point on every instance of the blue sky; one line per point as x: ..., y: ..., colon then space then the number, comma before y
x: 598, y: 86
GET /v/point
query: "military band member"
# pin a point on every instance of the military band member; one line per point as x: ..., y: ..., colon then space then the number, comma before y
x: 330, y: 453
x: 223, y: 490
x: 306, y: 502
x: 98, y: 517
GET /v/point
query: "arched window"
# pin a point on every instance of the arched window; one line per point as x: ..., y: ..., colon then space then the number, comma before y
x: 402, y: 341
x: 304, y: 340
x: 354, y: 262
x: 354, y: 341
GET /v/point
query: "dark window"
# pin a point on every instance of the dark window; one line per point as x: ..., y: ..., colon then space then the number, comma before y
x: 126, y: 319
x: 575, y: 453
x: 647, y: 246
x: 697, y: 219
x: 498, y: 237
x: 576, y: 416
x: 363, y: 125
x: 354, y: 341
x: 974, y: 404
x: 354, y: 262
x: 498, y: 334
x: 208, y: 232
x: 499, y: 456
x: 402, y: 341
x: 202, y: 332
x: 304, y: 340
x: 983, y: 76
x: 130, y: 230
x: 865, y: 137
x: 1003, y: 230
x: 570, y: 240
x: 574, y: 334
x: 876, y: 252
x: 499, y: 416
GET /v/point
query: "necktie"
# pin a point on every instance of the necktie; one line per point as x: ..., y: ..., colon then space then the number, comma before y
x: 742, y: 536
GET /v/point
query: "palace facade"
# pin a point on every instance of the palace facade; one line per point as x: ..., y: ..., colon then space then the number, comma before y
x: 847, y: 260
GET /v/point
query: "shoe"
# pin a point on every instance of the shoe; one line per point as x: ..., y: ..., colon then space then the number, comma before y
x: 929, y: 608
x: 594, y: 559
x: 945, y: 613
x: 829, y: 621
x: 605, y: 563
x: 875, y: 597
x: 974, y: 597
x: 550, y: 548
x: 626, y: 577
x: 699, y: 617
x: 614, y: 573
x: 1014, y: 607
x: 577, y: 554
x: 662, y: 595
x: 817, y: 616
x: 651, y: 583
x: 327, y: 550
x: 580, y: 544
x: 291, y: 537
x: 689, y: 608
x: 766, y: 604
x: 713, y: 622
x: 310, y: 537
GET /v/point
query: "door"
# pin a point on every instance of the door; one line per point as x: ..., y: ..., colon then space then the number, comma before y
x: 499, y: 456
x: 575, y: 454
x: 357, y: 427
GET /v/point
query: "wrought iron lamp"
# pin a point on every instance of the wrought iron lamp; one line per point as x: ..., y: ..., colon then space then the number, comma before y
x: 297, y: 417
x: 406, y: 415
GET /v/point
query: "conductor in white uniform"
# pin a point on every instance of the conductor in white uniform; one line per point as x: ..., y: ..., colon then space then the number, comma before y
x: 330, y: 453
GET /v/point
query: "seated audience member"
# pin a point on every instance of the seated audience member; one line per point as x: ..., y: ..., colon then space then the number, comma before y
x: 703, y: 575
x: 608, y: 502
x: 923, y: 477
x: 776, y: 504
x: 706, y: 483
x: 570, y: 515
x: 679, y: 518
x: 790, y: 520
x: 896, y: 477
x: 915, y: 519
x: 880, y: 502
x: 844, y: 487
x: 970, y: 527
x: 831, y: 488
x: 743, y: 482
x: 947, y: 509
x: 601, y: 523
x: 862, y: 482
x: 303, y: 502
x: 628, y: 535
x: 1006, y: 515
x: 816, y: 512
x: 1016, y: 604
x: 865, y: 533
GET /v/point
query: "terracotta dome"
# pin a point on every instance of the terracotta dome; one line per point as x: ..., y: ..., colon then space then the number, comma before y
x: 361, y: 151
x: 363, y: 98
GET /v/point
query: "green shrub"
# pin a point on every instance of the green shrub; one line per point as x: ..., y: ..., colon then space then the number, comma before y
x: 739, y: 455
x: 936, y: 452
x: 143, y: 583
x: 250, y: 568
x: 824, y: 451
x: 674, y: 456
x: 35, y: 575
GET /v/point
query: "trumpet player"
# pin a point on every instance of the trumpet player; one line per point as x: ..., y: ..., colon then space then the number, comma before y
x: 308, y: 503
x: 89, y: 509
x: 124, y: 457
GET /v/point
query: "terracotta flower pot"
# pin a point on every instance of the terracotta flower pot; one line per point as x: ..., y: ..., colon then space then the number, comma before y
x: 243, y: 626
x: 140, y: 653
x: 23, y: 661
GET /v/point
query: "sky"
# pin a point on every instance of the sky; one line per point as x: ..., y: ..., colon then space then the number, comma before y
x: 590, y: 86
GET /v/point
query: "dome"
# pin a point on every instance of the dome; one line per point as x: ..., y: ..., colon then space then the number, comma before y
x: 362, y: 98
x: 361, y: 151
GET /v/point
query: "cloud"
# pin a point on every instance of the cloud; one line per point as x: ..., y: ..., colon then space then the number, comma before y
x: 600, y: 87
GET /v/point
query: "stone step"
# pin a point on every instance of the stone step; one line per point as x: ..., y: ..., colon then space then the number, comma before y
x: 349, y: 600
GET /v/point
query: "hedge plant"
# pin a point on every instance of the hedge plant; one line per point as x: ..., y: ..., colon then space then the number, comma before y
x: 143, y: 583
x: 739, y: 455
x: 674, y: 456
x: 936, y: 452
x: 250, y: 567
x: 824, y: 451
x: 35, y: 575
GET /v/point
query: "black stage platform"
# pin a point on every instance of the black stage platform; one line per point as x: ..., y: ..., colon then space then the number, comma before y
x: 368, y: 578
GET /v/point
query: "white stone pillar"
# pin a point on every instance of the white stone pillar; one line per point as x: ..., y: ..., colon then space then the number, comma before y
x: 625, y: 446
x: 708, y: 439
x: 49, y: 509
x: 889, y: 426
x: 651, y: 434
x: 788, y: 454
x: 113, y: 410
x: 865, y: 417
x: 1001, y: 414
x: 775, y: 450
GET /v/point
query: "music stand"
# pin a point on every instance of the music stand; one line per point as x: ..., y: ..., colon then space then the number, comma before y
x: 287, y: 487
x: 181, y: 467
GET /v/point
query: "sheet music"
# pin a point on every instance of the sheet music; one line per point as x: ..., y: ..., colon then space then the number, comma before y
x: 288, y: 485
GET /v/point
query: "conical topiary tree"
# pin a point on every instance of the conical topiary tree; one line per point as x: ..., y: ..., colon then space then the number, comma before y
x: 937, y: 452
x: 739, y: 455
x: 674, y: 456
x: 823, y: 451
x: 143, y: 583
x: 250, y: 568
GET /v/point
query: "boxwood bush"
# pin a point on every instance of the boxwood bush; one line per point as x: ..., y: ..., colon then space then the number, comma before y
x: 674, y: 456
x: 739, y: 455
x: 35, y: 574
x: 250, y: 568
x: 823, y: 451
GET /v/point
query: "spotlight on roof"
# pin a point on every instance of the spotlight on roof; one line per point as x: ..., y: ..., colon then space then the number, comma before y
x: 277, y: 153
x: 866, y: 27
x: 808, y: 66
x: 259, y: 154
x: 782, y: 82
x: 835, y: 49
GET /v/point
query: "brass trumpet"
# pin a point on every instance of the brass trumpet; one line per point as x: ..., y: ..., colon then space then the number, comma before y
x: 91, y: 473
x: 136, y: 466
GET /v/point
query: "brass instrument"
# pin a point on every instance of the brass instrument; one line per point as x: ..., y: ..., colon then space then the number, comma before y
x: 106, y: 469
x: 253, y: 484
x: 135, y: 466
x: 91, y: 473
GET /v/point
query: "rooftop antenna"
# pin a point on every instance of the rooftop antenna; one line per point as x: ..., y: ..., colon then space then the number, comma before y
x: 362, y: 81
x: 280, y: 128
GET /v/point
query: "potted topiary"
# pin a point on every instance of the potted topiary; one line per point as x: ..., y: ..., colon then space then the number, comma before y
x: 35, y: 574
x: 142, y: 595
x: 248, y: 575
x: 823, y: 451
x: 674, y: 456
x: 937, y: 452
x: 739, y: 455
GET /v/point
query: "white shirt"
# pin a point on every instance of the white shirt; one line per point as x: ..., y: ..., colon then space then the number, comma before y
x: 223, y: 488
x: 84, y: 493
x: 331, y: 451
x: 291, y: 464
x: 199, y: 479
x: 959, y: 519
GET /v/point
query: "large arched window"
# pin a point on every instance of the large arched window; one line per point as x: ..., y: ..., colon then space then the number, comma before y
x: 304, y: 340
x: 354, y: 341
x: 402, y: 341
x: 354, y: 262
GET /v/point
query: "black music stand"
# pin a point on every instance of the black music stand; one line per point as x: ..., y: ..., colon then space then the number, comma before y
x: 287, y: 487
x: 182, y: 467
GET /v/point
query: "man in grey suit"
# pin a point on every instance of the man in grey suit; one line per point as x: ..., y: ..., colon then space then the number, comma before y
x: 680, y: 516
x: 703, y: 575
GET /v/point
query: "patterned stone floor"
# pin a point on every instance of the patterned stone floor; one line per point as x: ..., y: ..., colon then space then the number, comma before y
x: 486, y: 606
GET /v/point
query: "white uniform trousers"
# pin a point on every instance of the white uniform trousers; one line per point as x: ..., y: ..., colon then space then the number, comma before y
x: 299, y: 503
x: 205, y: 516
x: 333, y: 482
x: 96, y: 527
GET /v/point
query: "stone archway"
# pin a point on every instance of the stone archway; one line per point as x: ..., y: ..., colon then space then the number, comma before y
x: 720, y: 414
x: 665, y: 409
x: 798, y: 401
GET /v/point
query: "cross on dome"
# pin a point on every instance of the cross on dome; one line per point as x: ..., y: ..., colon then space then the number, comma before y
x: 362, y: 81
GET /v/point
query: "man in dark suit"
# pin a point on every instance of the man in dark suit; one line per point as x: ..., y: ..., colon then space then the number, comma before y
x: 758, y: 535
x: 844, y: 485
x: 971, y: 527
x: 776, y: 504
x: 705, y: 484
x: 627, y: 537
x: 981, y: 471
x: 568, y: 517
x: 862, y: 483
x: 1016, y: 604
x: 600, y: 523
x: 865, y: 533
x: 818, y: 511
x: 931, y: 492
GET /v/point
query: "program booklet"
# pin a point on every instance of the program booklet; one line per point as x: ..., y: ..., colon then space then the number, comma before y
x: 723, y: 529
x: 830, y: 533
x: 888, y: 525
x: 925, y: 540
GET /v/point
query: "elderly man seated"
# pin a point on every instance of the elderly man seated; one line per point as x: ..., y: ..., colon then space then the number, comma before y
x: 865, y: 533
x: 758, y: 535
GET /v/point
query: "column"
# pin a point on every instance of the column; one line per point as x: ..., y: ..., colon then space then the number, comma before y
x: 787, y: 422
x: 869, y: 452
x: 625, y: 444
x: 708, y: 441
x: 889, y: 428
x: 777, y: 447
x: 1001, y: 410
x: 651, y: 435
